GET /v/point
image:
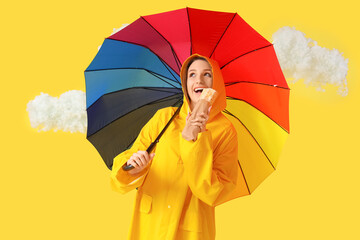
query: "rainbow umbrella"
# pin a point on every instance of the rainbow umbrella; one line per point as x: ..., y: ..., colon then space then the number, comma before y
x: 136, y: 72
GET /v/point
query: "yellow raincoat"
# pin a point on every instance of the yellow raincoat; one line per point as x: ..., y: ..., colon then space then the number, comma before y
x: 177, y: 193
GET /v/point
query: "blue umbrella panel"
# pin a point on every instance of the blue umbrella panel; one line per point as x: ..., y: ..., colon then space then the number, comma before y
x: 125, y: 85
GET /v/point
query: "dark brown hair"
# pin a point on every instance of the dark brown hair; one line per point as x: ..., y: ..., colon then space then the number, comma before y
x: 193, y: 60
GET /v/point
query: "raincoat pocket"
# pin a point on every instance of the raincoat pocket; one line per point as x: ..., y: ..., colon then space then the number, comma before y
x: 145, y: 203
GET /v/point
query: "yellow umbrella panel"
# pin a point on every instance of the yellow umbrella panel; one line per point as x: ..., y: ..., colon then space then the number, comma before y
x: 260, y: 142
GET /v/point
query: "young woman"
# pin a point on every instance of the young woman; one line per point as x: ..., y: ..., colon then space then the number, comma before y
x: 189, y: 173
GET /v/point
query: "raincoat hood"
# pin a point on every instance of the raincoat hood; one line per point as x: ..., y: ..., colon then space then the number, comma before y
x: 218, y: 85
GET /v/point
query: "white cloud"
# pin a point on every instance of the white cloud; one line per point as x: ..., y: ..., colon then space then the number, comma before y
x: 302, y: 58
x: 115, y: 30
x: 66, y: 113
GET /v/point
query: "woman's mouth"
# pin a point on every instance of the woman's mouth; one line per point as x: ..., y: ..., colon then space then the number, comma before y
x: 198, y: 90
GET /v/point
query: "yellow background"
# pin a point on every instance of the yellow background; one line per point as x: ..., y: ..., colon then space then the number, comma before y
x: 55, y: 186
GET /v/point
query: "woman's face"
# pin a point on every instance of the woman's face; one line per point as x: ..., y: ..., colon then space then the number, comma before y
x: 199, y: 76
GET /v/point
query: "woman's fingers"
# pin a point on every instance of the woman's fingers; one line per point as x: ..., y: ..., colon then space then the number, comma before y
x: 200, y: 127
x: 201, y: 117
x: 137, y: 163
x: 140, y: 159
x: 200, y: 121
x: 195, y: 124
x: 197, y: 119
x: 133, y: 163
x: 198, y: 124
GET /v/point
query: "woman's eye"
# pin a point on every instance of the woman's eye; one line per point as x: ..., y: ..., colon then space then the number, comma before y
x: 191, y: 74
x: 208, y: 74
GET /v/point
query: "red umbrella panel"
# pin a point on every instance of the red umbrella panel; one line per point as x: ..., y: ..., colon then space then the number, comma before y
x: 257, y: 92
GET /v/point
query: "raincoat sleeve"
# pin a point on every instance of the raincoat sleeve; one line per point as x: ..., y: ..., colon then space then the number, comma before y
x: 211, y: 174
x: 122, y: 181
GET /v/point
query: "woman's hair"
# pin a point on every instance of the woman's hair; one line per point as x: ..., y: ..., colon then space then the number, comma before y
x: 193, y: 60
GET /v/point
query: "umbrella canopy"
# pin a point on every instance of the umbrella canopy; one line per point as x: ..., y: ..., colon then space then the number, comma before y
x: 137, y: 69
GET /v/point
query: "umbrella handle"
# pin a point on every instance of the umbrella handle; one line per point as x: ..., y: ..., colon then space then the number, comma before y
x: 126, y: 167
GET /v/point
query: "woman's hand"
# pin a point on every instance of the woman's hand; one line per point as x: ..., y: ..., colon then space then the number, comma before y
x: 140, y: 160
x: 194, y: 125
x: 200, y: 121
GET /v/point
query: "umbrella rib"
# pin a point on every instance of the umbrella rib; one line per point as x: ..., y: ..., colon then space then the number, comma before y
x: 188, y: 15
x: 161, y: 133
x: 166, y: 66
x: 177, y: 60
x: 108, y: 69
x: 229, y: 113
x: 147, y: 88
x: 247, y: 186
x: 150, y: 103
x: 160, y: 90
x: 160, y: 78
x: 265, y: 84
x: 222, y: 35
x: 175, y: 56
x: 164, y: 100
x: 233, y: 98
x: 167, y: 99
x: 245, y: 54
